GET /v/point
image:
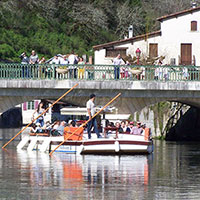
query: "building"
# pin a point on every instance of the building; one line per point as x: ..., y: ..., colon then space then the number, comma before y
x: 28, y: 108
x: 177, y: 40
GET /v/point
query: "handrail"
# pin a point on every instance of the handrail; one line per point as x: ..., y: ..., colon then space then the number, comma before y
x: 99, y: 72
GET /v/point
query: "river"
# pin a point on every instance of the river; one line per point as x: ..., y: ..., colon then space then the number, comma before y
x: 171, y: 172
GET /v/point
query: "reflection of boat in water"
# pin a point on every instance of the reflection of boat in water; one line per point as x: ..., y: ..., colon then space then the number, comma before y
x: 112, y: 143
x: 70, y: 171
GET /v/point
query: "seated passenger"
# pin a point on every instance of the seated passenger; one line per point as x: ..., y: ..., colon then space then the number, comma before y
x: 120, y: 130
x: 131, y: 126
x: 143, y: 129
x: 110, y: 125
x: 38, y: 128
x: 33, y: 128
x: 54, y: 126
x: 125, y: 128
x: 72, y: 123
x: 137, y: 130
x: 60, y: 129
x: 47, y: 127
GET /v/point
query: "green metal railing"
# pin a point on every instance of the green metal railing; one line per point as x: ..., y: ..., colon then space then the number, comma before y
x: 99, y: 72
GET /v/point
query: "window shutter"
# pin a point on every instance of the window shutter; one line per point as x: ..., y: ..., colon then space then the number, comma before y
x: 36, y: 104
x: 193, y: 25
x: 25, y: 106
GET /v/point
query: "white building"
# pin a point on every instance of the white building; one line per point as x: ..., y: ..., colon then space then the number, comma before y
x: 178, y: 40
x: 28, y: 108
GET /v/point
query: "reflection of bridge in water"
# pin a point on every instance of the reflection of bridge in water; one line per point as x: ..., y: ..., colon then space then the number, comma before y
x: 21, y: 83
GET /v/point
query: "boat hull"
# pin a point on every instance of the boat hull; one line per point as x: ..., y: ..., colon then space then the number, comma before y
x: 105, y: 147
x: 122, y: 145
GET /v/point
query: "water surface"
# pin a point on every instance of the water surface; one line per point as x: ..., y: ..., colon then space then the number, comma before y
x: 171, y: 172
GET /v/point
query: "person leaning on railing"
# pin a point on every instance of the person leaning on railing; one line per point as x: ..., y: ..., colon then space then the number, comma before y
x: 33, y: 59
x: 73, y: 60
x: 24, y: 62
x: 117, y: 61
x: 81, y: 70
x: 55, y: 61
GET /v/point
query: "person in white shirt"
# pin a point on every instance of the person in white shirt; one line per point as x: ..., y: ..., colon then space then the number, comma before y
x: 73, y: 60
x: 90, y: 113
x: 55, y: 60
x: 117, y: 61
x: 64, y: 60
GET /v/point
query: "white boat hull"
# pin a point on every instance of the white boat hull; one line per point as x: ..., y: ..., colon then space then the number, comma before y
x: 125, y: 144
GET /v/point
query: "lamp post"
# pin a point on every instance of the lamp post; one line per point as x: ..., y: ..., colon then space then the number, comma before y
x: 138, y: 52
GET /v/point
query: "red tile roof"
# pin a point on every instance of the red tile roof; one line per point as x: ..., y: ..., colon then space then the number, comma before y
x: 177, y: 14
x: 124, y: 41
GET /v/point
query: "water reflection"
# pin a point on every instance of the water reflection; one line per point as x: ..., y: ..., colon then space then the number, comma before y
x: 91, y: 177
x: 172, y: 172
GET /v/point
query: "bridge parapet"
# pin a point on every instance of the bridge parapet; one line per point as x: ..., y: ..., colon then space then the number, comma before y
x: 140, y: 86
x: 99, y: 72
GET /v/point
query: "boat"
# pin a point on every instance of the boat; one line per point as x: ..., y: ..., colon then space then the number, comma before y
x: 78, y: 143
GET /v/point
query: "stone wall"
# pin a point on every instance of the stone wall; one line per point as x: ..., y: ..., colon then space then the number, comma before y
x: 155, y: 117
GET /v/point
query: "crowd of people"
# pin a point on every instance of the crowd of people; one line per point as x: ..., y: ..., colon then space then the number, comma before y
x: 130, y: 127
x: 69, y: 59
x: 57, y: 127
x: 58, y: 59
x: 160, y: 72
x: 125, y: 71
x: 54, y: 129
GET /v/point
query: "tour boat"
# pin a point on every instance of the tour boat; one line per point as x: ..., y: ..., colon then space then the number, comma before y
x: 111, y: 142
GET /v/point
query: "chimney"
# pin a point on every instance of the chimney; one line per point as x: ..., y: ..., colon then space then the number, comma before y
x: 194, y: 4
x: 130, y: 31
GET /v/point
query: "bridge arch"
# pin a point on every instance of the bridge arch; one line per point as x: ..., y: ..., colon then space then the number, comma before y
x: 135, y: 94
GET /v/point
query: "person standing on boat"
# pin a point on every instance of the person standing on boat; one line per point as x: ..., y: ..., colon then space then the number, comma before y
x: 39, y: 111
x: 91, y: 112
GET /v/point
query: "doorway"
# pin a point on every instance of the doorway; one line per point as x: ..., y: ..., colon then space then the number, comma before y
x: 186, y: 54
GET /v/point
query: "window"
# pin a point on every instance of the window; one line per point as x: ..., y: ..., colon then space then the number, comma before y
x: 153, y: 50
x: 193, y: 25
x: 31, y: 105
x: 114, y: 52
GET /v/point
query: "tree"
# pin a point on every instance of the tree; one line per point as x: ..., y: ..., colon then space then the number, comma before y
x: 127, y: 16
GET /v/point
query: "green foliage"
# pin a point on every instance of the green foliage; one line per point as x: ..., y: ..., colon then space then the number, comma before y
x: 58, y: 26
x: 6, y: 51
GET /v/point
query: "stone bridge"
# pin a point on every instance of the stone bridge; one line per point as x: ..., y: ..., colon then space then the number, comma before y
x: 135, y: 94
